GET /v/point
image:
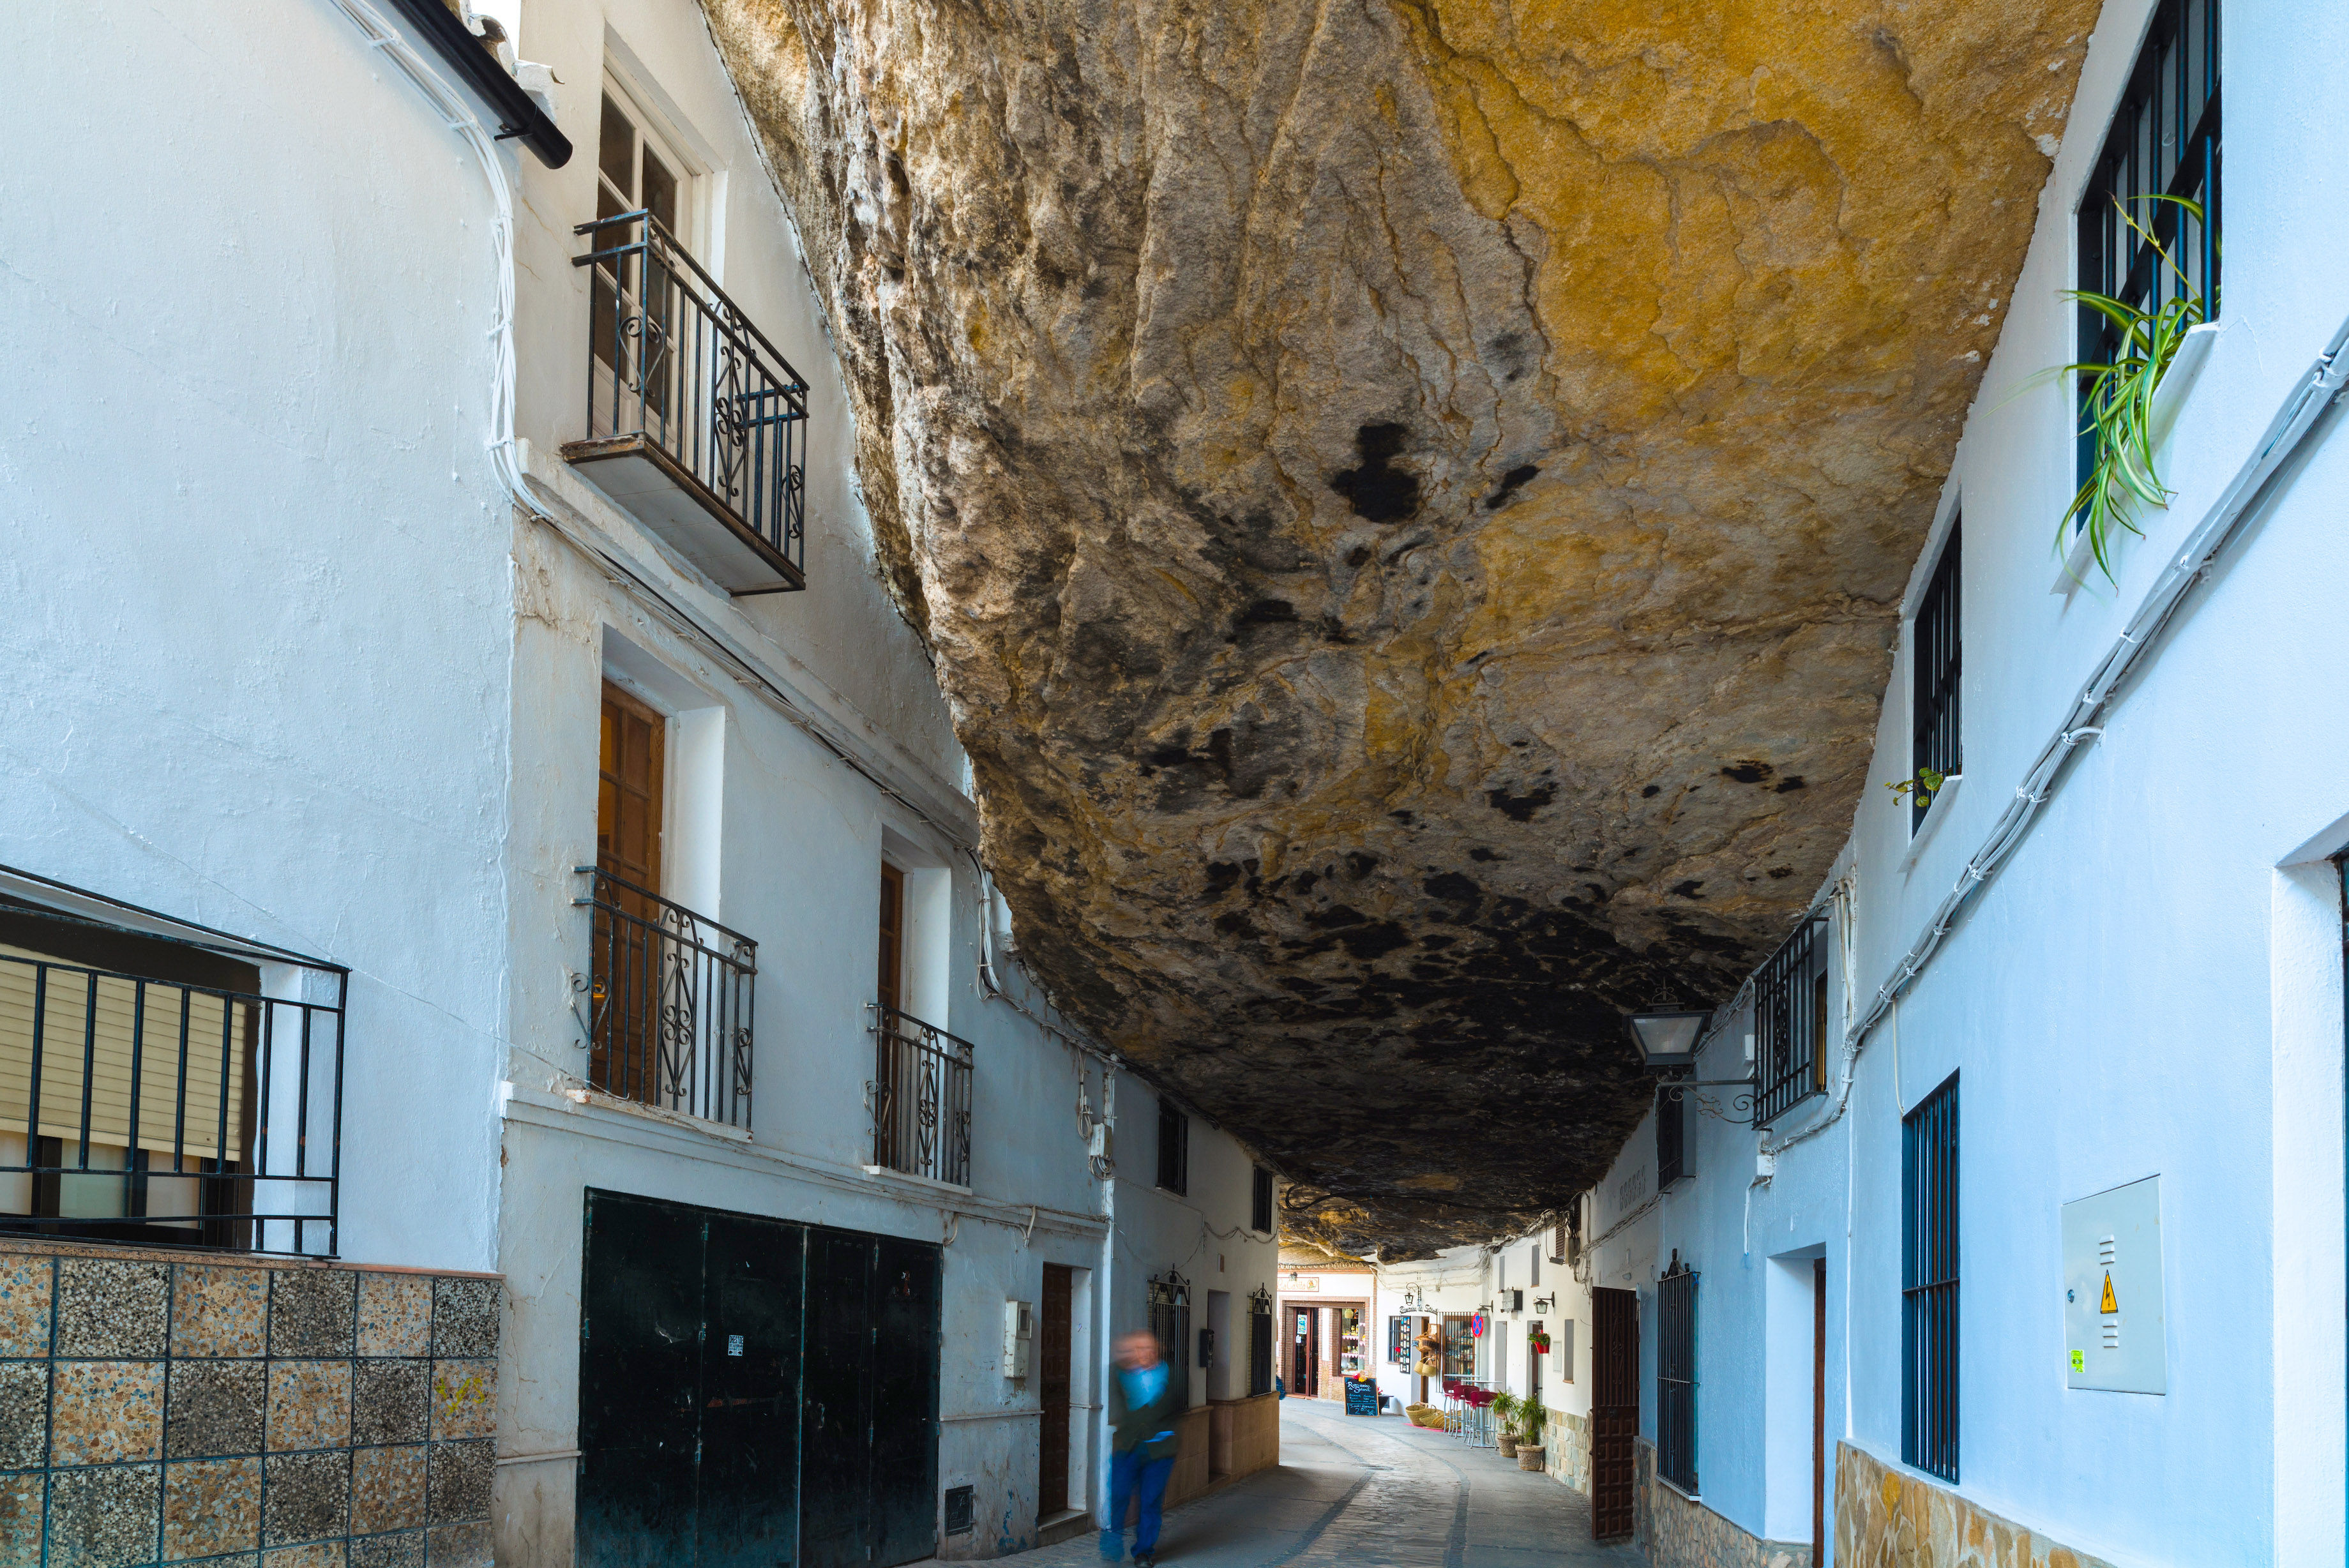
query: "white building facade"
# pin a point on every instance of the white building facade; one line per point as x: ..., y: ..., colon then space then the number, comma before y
x: 578, y: 835
x: 2003, y: 1218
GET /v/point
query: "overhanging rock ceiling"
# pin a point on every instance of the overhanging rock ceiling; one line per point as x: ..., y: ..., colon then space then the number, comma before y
x: 1410, y: 501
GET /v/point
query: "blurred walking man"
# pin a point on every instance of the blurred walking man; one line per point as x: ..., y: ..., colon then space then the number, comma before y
x: 1146, y: 1398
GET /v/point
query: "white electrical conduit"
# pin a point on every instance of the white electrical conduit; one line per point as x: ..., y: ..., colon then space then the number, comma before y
x: 2318, y: 387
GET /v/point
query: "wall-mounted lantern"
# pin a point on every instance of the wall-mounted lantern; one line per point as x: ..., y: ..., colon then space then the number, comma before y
x: 1667, y: 1037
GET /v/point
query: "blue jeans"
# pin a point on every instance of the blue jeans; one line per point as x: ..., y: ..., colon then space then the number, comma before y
x: 1131, y: 1476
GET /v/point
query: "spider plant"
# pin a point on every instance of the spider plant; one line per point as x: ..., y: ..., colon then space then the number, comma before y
x: 2118, y: 395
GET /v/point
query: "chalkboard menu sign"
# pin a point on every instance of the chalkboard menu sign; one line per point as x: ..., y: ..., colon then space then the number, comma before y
x: 1362, y: 1397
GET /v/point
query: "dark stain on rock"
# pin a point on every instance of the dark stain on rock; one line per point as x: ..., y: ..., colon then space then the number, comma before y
x: 1377, y: 490
x: 1688, y: 889
x: 1511, y: 483
x: 1360, y: 864
x: 1481, y: 853
x: 1222, y: 877
x: 1749, y: 773
x: 1521, y: 808
x: 1652, y: 792
x: 1790, y: 783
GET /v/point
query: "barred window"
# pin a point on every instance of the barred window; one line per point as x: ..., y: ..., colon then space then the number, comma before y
x: 1676, y: 1376
x: 2163, y: 141
x: 1790, y: 1021
x: 1928, y: 1283
x: 1934, y: 667
x: 1260, y: 1209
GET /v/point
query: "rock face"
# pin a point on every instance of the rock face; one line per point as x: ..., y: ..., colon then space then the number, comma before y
x: 1410, y: 498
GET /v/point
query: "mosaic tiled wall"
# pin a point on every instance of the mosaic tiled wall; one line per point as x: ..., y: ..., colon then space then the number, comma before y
x: 1569, y: 1440
x: 156, y: 1408
x: 1678, y: 1533
x: 1886, y: 1519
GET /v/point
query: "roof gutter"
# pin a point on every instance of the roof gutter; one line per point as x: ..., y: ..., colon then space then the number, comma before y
x: 517, y: 114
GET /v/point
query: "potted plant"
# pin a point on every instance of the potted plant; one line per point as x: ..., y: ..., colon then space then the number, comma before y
x: 1531, y: 1417
x: 1506, y: 1406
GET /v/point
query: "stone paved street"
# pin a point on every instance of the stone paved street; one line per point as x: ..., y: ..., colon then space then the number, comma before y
x: 1376, y: 1491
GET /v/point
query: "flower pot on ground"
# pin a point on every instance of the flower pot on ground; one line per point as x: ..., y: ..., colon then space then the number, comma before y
x: 1529, y: 1458
x: 1508, y: 1446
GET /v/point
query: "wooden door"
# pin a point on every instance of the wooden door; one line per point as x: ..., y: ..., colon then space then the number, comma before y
x: 1818, y: 1410
x: 624, y: 964
x: 1052, y: 1387
x: 1614, y: 1409
x: 891, y: 988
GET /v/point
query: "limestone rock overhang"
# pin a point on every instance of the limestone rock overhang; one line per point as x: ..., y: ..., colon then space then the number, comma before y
x: 1409, y: 501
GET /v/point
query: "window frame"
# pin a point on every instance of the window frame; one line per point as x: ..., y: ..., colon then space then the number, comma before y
x: 1930, y: 1283
x: 1261, y: 1219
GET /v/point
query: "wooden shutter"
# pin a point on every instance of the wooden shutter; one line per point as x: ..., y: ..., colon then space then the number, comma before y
x: 220, y: 1031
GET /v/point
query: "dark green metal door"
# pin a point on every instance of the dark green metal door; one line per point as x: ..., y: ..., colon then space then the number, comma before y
x: 870, y: 1475
x: 689, y: 1387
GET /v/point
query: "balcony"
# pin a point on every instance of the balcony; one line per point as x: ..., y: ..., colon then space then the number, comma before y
x: 670, y: 996
x: 920, y: 1098
x: 696, y: 423
x: 162, y: 1083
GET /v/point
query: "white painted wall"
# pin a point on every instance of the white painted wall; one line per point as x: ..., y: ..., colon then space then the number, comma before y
x: 2151, y: 986
x: 254, y: 659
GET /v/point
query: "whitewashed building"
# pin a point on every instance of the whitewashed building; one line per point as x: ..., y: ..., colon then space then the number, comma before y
x: 472, y: 807
x: 2011, y: 1190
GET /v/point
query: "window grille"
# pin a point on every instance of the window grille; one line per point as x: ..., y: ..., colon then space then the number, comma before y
x: 1260, y: 1208
x: 1672, y: 1165
x: 1260, y: 1341
x: 1934, y: 669
x: 1790, y: 1021
x: 1170, y: 1316
x: 2164, y: 141
x: 1928, y: 1283
x: 180, y: 1087
x: 1676, y: 1377
x: 1173, y: 1147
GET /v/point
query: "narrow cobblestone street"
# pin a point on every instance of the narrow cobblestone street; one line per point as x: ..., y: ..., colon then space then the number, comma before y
x: 1375, y: 1491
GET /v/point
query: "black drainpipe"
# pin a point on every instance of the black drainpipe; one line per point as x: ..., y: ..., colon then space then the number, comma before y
x: 516, y: 112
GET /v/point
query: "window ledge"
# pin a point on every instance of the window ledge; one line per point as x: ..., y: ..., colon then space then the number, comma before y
x: 584, y: 1095
x: 1679, y: 1490
x: 1934, y: 813
x: 2169, y: 400
x: 927, y: 1183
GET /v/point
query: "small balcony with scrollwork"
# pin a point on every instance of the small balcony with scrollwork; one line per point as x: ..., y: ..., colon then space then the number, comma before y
x: 697, y: 424
x: 919, y: 1096
x: 669, y: 997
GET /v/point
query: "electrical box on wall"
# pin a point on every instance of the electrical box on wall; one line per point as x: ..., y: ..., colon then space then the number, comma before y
x: 2114, y: 1334
x: 1018, y: 1336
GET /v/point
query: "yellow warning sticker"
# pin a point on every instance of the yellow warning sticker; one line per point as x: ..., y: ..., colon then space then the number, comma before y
x: 2079, y: 1361
x: 2108, y: 1303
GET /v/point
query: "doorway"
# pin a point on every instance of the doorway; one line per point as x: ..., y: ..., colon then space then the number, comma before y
x: 1818, y: 1410
x: 752, y: 1392
x: 1305, y: 1351
x: 1052, y: 1353
x: 1614, y: 1409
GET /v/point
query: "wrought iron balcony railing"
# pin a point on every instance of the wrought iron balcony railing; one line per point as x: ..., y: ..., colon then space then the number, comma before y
x: 695, y: 421
x: 920, y: 1098
x: 176, y: 1089
x: 670, y: 996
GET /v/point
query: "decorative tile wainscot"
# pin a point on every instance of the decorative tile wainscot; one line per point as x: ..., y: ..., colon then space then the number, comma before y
x: 1885, y: 1518
x: 162, y: 1408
